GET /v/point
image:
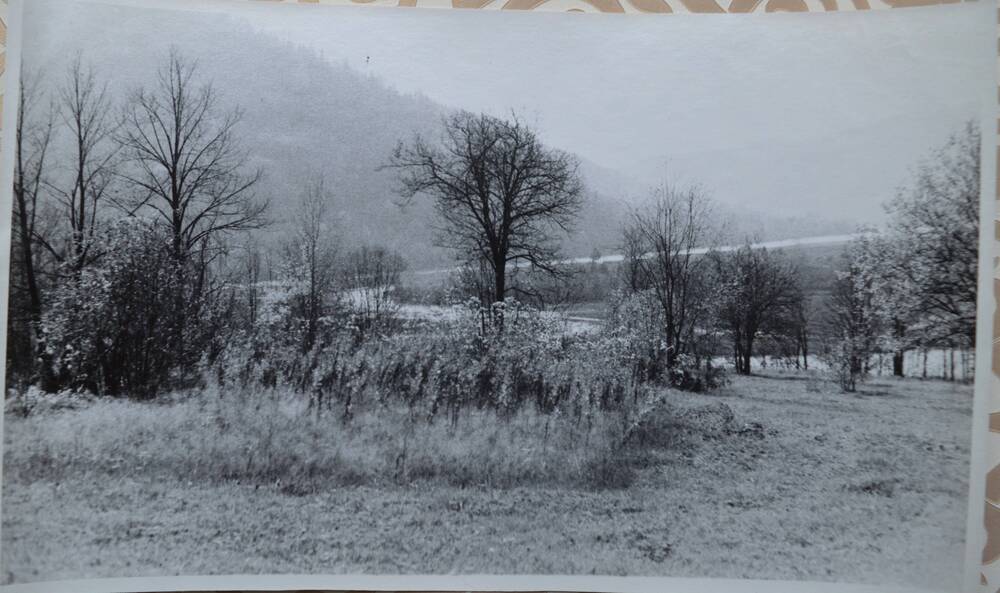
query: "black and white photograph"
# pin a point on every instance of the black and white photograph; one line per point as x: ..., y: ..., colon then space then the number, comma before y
x: 358, y: 290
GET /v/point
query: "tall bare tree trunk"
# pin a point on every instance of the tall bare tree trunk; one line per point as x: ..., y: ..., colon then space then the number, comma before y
x: 30, y: 151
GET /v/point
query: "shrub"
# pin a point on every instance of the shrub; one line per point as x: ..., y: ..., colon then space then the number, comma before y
x: 635, y: 322
x: 847, y: 363
x: 132, y: 324
x: 690, y: 374
x: 634, y: 327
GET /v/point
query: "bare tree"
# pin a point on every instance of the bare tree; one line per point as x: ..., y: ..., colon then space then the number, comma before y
x: 31, y: 149
x: 633, y: 250
x: 371, y: 274
x: 86, y: 112
x: 252, y: 277
x: 186, y: 168
x: 310, y: 257
x: 758, y: 290
x: 800, y: 317
x: 502, y: 196
x: 187, y: 163
x: 668, y: 232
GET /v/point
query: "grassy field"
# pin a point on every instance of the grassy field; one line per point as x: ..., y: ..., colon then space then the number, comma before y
x: 803, y: 482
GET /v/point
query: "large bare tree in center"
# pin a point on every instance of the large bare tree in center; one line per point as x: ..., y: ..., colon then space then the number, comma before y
x: 501, y: 195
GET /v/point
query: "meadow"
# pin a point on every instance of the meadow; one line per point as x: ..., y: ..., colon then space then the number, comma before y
x: 776, y: 475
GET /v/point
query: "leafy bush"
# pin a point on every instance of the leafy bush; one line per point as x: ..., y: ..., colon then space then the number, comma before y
x: 135, y: 322
x: 635, y: 327
x: 35, y: 401
x: 847, y: 363
x: 690, y: 374
x: 635, y: 320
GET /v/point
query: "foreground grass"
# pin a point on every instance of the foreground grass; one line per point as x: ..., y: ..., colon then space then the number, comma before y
x: 867, y: 487
x: 274, y: 439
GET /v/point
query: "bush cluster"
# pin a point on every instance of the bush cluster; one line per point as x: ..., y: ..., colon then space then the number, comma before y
x: 504, y: 358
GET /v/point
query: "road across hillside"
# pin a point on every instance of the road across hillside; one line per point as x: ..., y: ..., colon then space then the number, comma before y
x: 824, y: 240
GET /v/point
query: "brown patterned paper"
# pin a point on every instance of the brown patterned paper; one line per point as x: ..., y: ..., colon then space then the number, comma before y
x: 646, y: 6
x: 991, y: 519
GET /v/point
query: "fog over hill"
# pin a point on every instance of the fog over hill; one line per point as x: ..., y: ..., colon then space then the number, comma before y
x: 316, y: 115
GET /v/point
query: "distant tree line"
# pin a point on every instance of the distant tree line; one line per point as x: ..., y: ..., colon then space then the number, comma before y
x: 909, y: 286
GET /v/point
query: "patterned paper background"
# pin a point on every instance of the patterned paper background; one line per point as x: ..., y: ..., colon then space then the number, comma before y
x: 648, y: 6
x: 990, y: 573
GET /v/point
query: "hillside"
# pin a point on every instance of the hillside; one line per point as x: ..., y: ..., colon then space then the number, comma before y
x: 306, y: 114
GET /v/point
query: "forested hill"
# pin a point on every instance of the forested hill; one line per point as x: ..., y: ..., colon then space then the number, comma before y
x: 306, y: 114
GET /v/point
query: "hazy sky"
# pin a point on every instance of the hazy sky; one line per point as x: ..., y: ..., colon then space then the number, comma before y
x: 817, y: 112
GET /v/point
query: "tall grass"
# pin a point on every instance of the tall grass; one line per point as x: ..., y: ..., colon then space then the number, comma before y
x: 497, y: 399
x: 272, y: 438
x: 506, y: 359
